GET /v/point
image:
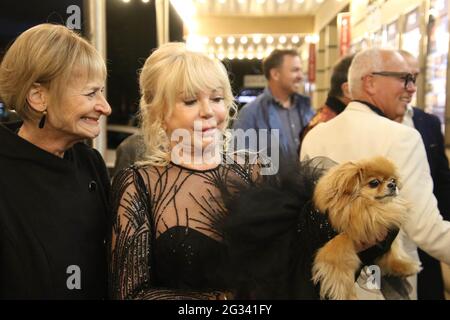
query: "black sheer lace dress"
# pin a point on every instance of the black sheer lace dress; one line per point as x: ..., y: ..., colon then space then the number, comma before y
x: 179, y: 233
x: 166, y: 240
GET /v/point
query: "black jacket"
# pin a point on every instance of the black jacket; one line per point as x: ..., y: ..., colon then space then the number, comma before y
x: 429, y: 283
x: 429, y: 128
x: 53, y: 221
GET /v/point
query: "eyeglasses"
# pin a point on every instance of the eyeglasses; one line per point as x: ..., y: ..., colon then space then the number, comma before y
x: 407, y: 77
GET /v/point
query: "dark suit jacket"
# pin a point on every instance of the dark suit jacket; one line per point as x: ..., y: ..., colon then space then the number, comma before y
x: 429, y: 282
x: 429, y: 128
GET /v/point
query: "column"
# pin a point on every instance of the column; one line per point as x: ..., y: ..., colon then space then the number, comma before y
x: 95, y: 22
x: 162, y: 21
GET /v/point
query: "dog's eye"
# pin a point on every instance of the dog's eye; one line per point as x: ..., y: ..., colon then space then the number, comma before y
x: 374, y: 183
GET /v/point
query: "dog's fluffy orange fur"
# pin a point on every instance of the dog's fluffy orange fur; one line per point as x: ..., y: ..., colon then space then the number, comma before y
x: 362, y: 203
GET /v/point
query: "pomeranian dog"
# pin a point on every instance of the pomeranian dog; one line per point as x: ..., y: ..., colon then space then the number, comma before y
x: 362, y: 203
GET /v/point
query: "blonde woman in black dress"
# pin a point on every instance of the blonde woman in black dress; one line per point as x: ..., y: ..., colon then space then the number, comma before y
x: 165, y: 239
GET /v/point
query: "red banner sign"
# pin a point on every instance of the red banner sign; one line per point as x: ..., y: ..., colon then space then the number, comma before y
x: 343, y: 23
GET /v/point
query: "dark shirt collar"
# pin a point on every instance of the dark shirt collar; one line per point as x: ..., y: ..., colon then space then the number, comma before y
x: 373, y: 107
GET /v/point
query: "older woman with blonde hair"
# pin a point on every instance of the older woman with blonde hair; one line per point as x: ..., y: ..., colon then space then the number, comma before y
x: 54, y: 188
x: 166, y: 243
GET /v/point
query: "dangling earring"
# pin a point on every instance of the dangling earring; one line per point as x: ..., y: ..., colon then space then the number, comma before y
x: 42, y: 121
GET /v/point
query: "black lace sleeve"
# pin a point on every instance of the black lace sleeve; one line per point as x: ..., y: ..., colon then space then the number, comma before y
x: 131, y: 243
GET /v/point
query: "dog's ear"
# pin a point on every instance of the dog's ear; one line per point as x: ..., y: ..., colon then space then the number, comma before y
x: 349, y: 179
x: 339, y: 185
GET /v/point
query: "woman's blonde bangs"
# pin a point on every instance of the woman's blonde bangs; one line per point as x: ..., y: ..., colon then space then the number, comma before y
x: 90, y: 64
x: 197, y: 73
x: 85, y: 63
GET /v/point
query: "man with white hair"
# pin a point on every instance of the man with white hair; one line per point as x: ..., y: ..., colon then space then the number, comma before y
x: 381, y: 84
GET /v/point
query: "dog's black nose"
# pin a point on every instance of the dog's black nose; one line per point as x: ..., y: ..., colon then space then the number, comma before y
x: 392, y: 185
